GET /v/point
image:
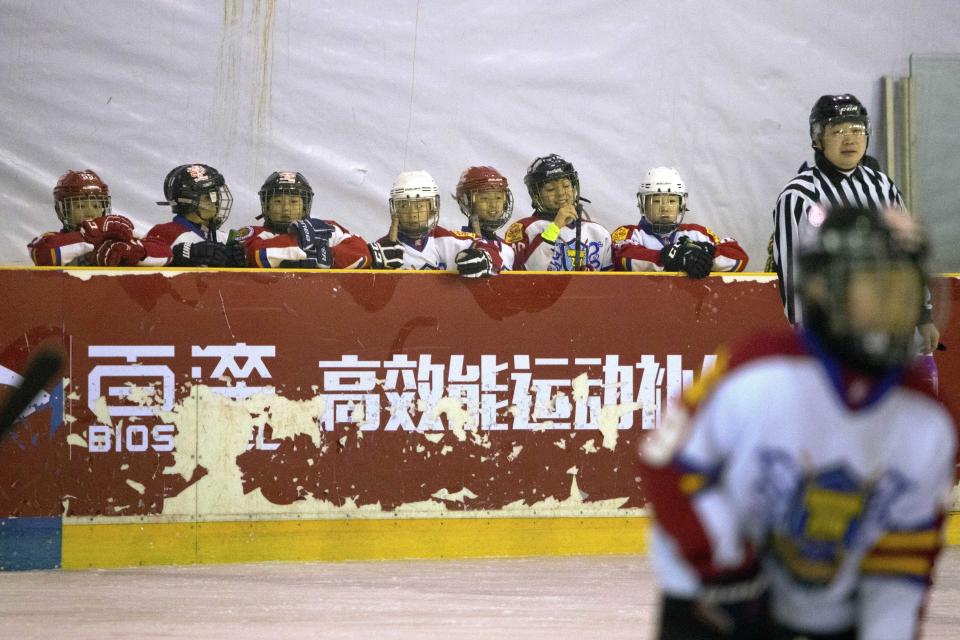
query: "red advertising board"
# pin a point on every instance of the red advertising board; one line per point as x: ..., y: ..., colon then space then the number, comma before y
x: 218, y: 394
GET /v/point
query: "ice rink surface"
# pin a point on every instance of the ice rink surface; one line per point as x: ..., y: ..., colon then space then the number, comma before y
x: 584, y: 597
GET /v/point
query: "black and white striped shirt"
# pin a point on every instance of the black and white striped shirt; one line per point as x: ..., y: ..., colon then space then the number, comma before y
x: 820, y: 184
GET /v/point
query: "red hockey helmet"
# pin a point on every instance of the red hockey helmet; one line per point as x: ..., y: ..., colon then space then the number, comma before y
x: 80, y: 188
x: 477, y: 180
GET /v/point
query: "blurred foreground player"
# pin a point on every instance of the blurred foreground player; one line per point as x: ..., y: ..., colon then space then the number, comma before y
x: 800, y: 490
x: 290, y: 238
x: 92, y: 235
x: 414, y: 211
x: 662, y: 241
x: 559, y: 236
x: 201, y: 203
x: 485, y: 198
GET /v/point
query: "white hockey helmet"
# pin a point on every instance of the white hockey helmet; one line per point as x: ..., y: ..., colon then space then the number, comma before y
x: 663, y: 180
x: 409, y: 190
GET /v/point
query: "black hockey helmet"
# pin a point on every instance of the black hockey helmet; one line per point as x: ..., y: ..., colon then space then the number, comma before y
x: 863, y: 257
x: 280, y: 183
x: 185, y: 185
x: 546, y: 169
x: 831, y: 109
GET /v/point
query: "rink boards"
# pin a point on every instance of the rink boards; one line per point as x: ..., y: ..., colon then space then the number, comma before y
x: 224, y: 416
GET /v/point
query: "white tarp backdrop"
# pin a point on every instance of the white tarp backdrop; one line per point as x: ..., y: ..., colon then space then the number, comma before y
x: 350, y: 93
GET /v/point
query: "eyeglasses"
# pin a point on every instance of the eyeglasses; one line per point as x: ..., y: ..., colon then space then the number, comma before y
x: 854, y: 131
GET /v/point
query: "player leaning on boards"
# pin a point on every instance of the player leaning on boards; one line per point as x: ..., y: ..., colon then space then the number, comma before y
x: 290, y: 238
x: 839, y: 135
x: 485, y: 198
x: 663, y: 242
x: 559, y: 236
x: 839, y: 509
x: 201, y: 202
x: 414, y: 211
x: 92, y: 235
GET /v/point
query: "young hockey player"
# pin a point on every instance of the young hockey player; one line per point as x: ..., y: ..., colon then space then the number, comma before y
x: 92, y: 235
x: 559, y: 236
x: 662, y: 241
x: 201, y: 203
x: 291, y: 238
x: 815, y: 462
x: 485, y: 198
x: 414, y: 211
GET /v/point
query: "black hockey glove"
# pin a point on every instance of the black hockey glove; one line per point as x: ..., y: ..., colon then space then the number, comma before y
x: 474, y: 263
x: 671, y: 256
x: 386, y: 254
x: 200, y: 254
x: 693, y: 258
x: 236, y: 255
x: 698, y: 259
x: 313, y: 236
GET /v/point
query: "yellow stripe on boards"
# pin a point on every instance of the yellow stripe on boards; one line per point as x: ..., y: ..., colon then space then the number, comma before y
x: 124, y: 545
x: 106, y: 545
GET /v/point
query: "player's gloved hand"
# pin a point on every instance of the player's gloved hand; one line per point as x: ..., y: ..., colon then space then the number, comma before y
x: 119, y: 253
x: 697, y: 259
x: 110, y: 227
x: 671, y: 256
x: 200, y: 254
x: 736, y: 604
x: 474, y: 263
x: 313, y: 237
x: 386, y: 254
x: 236, y: 255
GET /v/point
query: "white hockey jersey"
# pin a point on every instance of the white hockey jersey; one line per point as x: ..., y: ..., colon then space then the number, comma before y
x: 438, y: 251
x: 839, y: 482
x: 534, y: 253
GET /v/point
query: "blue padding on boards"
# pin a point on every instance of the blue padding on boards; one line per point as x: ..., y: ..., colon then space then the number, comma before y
x: 30, y: 543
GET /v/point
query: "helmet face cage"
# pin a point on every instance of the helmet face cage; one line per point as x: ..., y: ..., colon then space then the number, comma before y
x: 861, y: 253
x: 410, y: 188
x: 282, y: 183
x: 475, y: 181
x: 548, y: 169
x: 71, y: 218
x: 663, y: 181
x: 186, y: 185
x: 415, y: 224
x: 80, y: 187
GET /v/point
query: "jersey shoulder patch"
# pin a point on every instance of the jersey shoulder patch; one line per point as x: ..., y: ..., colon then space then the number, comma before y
x: 240, y: 234
x: 514, y: 233
x: 622, y: 233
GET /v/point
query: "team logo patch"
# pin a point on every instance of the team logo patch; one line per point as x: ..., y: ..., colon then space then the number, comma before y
x: 514, y: 233
x: 464, y: 234
x: 620, y: 234
x: 197, y: 172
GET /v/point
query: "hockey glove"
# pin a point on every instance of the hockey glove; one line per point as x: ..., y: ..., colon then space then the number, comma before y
x: 119, y: 253
x: 103, y: 228
x: 698, y: 259
x: 236, y: 255
x: 200, y: 254
x: 736, y: 604
x: 474, y: 263
x: 313, y: 237
x: 671, y: 256
x: 386, y: 254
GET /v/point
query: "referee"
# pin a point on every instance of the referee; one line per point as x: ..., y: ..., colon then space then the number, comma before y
x: 838, y: 176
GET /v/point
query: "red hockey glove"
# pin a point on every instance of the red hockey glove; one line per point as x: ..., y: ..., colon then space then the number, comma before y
x: 103, y: 228
x: 119, y: 253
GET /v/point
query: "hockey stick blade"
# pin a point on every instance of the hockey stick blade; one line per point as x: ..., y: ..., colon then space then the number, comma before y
x: 41, y: 370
